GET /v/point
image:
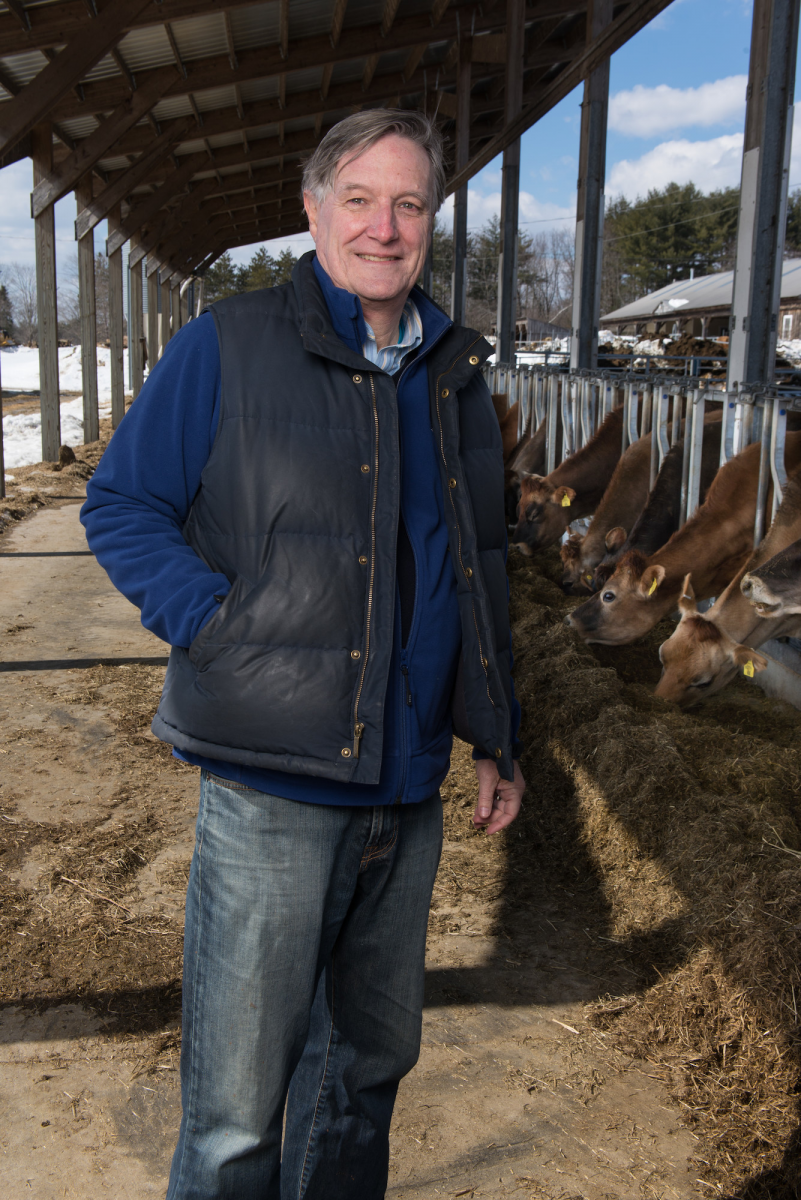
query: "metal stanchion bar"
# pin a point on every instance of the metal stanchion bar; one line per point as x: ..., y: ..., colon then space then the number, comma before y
x: 778, y: 436
x: 553, y: 424
x: 659, y: 434
x: 696, y: 439
x: 764, y: 473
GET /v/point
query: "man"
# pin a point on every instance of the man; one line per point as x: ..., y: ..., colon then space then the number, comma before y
x: 306, y: 501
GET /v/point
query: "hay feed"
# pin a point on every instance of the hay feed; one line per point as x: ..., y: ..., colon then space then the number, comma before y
x: 689, y: 825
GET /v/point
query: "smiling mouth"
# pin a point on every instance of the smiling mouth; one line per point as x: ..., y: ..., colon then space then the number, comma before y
x: 379, y: 258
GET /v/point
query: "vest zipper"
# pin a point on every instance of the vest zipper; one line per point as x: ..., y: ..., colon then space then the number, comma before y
x: 358, y: 726
x: 484, y: 660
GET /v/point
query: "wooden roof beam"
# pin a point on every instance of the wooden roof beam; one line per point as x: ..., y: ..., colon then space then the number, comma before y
x: 303, y: 53
x: 38, y: 98
x: 124, y: 183
x: 91, y: 149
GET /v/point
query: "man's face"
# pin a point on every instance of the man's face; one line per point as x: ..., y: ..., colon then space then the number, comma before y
x: 372, y: 231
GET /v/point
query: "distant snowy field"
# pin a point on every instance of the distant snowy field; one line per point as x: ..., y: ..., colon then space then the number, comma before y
x: 22, y: 432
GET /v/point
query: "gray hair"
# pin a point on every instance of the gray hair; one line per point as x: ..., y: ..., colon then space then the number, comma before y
x: 359, y: 132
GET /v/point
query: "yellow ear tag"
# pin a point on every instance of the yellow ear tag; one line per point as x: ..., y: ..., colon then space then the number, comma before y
x: 565, y: 501
x: 653, y: 587
x: 748, y: 669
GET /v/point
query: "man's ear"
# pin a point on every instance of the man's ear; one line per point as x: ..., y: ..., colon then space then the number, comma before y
x: 563, y: 496
x: 650, y: 580
x: 310, y: 204
x: 615, y: 538
x: 687, y: 598
x: 751, y: 662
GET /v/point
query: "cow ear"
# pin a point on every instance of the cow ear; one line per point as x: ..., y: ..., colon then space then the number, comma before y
x: 650, y: 580
x: 687, y: 603
x: 751, y: 662
x: 615, y: 538
x: 564, y: 496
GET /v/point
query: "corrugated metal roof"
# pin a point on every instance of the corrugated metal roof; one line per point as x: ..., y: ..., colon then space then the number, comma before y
x: 706, y: 291
x: 21, y: 68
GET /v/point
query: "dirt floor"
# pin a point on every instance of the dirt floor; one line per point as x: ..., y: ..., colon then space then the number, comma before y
x: 521, y: 1090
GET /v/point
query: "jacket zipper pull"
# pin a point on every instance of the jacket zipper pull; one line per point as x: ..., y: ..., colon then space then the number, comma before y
x: 405, y: 674
x: 358, y: 730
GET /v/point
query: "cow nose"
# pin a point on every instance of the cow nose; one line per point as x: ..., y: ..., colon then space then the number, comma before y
x: 745, y: 586
x: 569, y: 620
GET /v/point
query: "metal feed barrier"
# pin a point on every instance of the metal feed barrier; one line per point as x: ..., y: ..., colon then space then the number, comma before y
x: 655, y: 405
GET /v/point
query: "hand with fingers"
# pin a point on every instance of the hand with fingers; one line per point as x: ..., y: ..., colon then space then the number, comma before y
x: 499, y: 800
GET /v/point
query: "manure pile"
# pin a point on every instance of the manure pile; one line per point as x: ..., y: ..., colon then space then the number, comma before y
x: 685, y: 831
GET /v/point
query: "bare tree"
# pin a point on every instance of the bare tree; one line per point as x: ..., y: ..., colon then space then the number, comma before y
x: 21, y: 284
x: 101, y: 298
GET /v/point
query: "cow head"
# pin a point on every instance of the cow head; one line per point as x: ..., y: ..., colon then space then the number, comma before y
x: 573, y: 574
x: 544, y: 513
x: 614, y: 542
x: 699, y: 658
x: 774, y: 589
x: 625, y: 608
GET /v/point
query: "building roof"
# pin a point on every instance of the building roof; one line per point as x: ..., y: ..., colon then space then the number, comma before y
x: 194, y: 115
x: 705, y: 294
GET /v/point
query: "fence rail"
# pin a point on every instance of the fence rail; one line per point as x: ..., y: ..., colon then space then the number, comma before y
x: 655, y: 405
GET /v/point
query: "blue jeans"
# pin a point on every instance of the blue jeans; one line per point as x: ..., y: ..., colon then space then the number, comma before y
x: 303, y: 992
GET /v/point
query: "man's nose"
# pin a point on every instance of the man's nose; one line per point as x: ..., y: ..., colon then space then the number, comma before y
x: 384, y: 226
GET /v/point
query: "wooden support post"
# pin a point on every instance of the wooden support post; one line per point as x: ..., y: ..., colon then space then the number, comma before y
x: 510, y: 187
x: 88, y: 310
x: 116, y: 320
x: 459, y: 278
x: 590, y: 201
x: 176, y: 308
x: 165, y: 328
x: 136, y: 328
x: 152, y: 320
x: 46, y: 304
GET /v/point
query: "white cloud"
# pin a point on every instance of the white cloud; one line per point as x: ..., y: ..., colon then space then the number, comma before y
x: 709, y: 165
x: 650, y: 111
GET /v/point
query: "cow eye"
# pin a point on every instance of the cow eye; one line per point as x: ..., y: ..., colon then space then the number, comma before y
x: 608, y: 597
x: 701, y: 683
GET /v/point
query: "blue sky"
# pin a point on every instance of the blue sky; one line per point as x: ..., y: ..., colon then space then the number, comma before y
x: 677, y: 107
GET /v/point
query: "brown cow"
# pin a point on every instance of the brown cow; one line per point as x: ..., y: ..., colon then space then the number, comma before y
x: 714, y: 544
x: 528, y: 457
x: 620, y: 505
x: 705, y: 651
x: 774, y: 589
x: 549, y: 504
x: 507, y: 419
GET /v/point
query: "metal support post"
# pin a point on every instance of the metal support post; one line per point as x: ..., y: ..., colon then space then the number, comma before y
x: 763, y: 192
x: 116, y: 321
x: 778, y: 438
x: 764, y: 475
x: 459, y: 276
x: 695, y: 436
x: 553, y: 424
x: 46, y: 303
x: 590, y: 201
x: 175, y: 306
x: 659, y: 431
x: 510, y: 188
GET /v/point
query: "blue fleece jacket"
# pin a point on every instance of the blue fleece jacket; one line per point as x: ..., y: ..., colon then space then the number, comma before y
x: 141, y: 494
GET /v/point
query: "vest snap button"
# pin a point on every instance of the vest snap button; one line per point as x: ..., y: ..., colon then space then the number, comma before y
x: 355, y: 653
x: 485, y: 663
x: 468, y: 572
x: 363, y: 559
x: 445, y: 393
x: 452, y: 483
x: 345, y: 752
x: 473, y: 360
x: 365, y: 468
x: 498, y: 752
x: 357, y: 378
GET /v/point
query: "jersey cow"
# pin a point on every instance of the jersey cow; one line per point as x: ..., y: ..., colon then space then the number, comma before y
x: 714, y: 544
x: 661, y: 515
x: 706, y: 650
x: 507, y: 419
x: 620, y: 504
x: 774, y: 590
x: 527, y: 458
x: 548, y: 504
